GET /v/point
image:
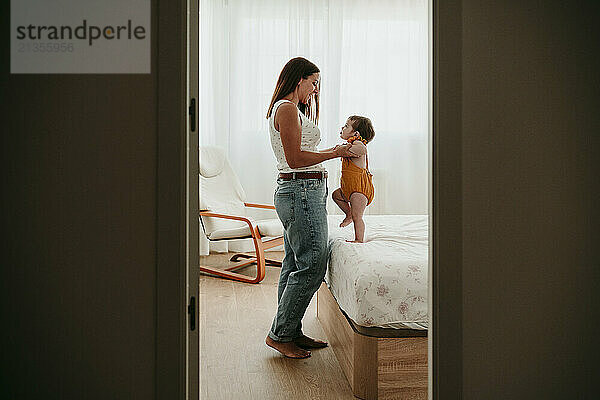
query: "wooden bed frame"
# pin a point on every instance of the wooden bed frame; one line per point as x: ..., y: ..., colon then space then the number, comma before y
x: 377, y: 367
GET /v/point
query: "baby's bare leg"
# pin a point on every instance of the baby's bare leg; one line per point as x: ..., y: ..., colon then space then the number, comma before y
x: 342, y: 203
x: 358, y: 203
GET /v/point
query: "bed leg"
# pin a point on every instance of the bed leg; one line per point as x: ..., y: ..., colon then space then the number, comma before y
x: 376, y: 368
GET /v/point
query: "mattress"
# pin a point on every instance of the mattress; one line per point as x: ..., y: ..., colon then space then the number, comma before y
x: 382, y: 282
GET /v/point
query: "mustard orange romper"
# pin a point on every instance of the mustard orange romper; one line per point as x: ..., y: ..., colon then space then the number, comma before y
x: 356, y: 179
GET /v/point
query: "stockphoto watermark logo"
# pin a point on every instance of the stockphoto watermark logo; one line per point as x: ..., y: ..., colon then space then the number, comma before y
x: 80, y: 36
x: 84, y: 31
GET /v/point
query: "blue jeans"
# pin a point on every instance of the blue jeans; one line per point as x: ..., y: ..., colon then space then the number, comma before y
x: 300, y: 205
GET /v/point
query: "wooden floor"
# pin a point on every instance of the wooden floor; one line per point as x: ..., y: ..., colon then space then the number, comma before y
x: 235, y: 363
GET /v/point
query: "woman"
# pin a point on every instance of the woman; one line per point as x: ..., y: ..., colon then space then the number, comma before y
x: 300, y: 200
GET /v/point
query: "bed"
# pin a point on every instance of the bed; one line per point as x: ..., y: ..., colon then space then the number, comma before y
x: 373, y: 305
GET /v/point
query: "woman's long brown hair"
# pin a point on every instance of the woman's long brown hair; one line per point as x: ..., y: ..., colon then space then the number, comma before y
x: 296, y: 69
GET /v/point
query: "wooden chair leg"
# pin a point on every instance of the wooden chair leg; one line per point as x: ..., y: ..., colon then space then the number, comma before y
x: 231, y: 275
x: 227, y: 272
x: 259, y: 259
x: 235, y: 257
x: 272, y: 263
x: 268, y: 261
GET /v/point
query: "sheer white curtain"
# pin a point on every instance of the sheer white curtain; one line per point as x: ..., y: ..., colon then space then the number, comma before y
x: 373, y: 61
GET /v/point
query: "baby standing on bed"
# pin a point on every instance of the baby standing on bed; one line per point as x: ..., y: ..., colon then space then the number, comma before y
x: 356, y: 184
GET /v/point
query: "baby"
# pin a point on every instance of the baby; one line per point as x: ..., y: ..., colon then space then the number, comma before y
x: 356, y: 185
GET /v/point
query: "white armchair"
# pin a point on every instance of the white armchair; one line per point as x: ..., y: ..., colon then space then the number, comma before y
x: 223, y: 216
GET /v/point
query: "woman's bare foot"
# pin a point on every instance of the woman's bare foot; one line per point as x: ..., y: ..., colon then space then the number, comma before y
x: 308, y: 343
x: 354, y: 241
x: 346, y: 221
x: 288, y: 349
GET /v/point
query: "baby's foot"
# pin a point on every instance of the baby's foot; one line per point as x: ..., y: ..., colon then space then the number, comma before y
x: 346, y: 221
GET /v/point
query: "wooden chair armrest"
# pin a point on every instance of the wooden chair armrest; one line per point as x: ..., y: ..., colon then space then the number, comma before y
x: 259, y: 206
x: 226, y: 216
x: 253, y: 229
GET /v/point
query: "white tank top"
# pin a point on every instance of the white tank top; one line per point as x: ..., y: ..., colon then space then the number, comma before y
x: 311, y: 137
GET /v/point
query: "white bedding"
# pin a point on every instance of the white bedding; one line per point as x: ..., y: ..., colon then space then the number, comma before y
x: 382, y: 282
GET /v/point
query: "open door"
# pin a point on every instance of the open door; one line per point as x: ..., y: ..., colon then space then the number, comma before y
x: 192, y: 192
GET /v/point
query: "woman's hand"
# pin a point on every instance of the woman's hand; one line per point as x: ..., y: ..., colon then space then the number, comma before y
x: 358, y: 148
x: 343, y: 150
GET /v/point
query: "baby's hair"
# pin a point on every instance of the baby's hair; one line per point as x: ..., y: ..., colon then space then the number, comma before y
x: 364, y: 126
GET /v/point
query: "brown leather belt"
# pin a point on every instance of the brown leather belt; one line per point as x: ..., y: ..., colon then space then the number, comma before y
x: 303, y: 175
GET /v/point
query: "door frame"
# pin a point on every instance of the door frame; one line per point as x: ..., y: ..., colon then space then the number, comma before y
x: 177, y: 356
x: 445, y: 202
x: 193, y: 203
